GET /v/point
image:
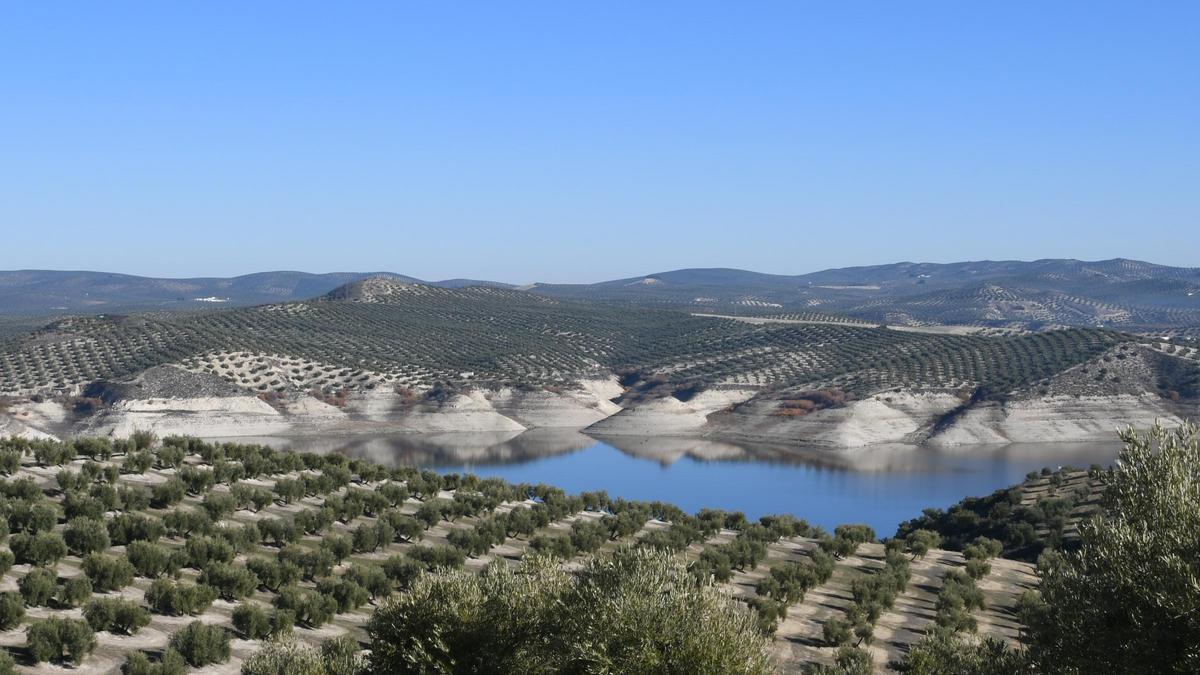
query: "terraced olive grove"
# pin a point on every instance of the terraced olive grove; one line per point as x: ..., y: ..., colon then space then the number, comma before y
x: 405, y: 335
x: 195, y: 554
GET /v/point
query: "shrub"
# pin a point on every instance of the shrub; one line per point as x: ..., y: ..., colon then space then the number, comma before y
x: 116, y: 615
x: 200, y: 551
x: 312, y: 564
x: 241, y: 537
x: 556, y: 545
x: 10, y: 462
x: 137, y: 462
x: 187, y: 522
x: 835, y: 632
x: 76, y: 504
x: 636, y: 611
x: 309, y: 608
x: 944, y: 651
x: 278, y: 657
x: 250, y: 497
x: 167, y: 494
x: 201, y: 644
x: 142, y: 439
x: 920, y: 541
x: 69, y: 480
x: 372, y: 578
x: 345, y: 592
x: 74, y: 591
x: 85, y: 535
x: 277, y: 532
x: 437, y: 557
x: 38, y: 586
x: 402, y: 570
x: 42, y: 549
x: 219, y: 505
x: 407, y: 528
x: 167, y: 597
x: 33, y: 517
x: 289, y: 490
x: 107, y: 573
x: 133, y: 498
x: 135, y: 527
x: 233, y: 582
x: 152, y: 560
x: 58, y: 640
x: 198, y: 480
x: 342, y: 656
x: 272, y: 574
x: 170, y: 457
x: 12, y: 610
x: 252, y: 621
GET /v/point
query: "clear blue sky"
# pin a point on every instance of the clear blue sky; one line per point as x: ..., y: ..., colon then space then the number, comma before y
x: 577, y: 141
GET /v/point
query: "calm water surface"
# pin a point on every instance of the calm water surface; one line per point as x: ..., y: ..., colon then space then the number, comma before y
x: 879, y: 486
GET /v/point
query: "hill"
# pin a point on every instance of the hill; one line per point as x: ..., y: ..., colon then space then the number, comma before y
x: 47, y: 292
x: 1126, y: 295
x: 389, y: 354
x: 1121, y: 294
x: 387, y: 330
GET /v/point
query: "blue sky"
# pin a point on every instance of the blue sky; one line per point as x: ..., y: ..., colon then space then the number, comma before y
x: 578, y: 141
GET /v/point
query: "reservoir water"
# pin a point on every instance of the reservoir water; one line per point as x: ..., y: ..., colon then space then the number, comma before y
x: 880, y: 486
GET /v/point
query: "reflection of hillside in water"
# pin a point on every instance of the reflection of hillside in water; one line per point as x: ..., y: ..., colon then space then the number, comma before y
x: 466, y: 449
x: 437, y: 449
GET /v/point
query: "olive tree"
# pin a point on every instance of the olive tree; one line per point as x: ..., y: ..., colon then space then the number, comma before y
x: 12, y: 610
x: 59, y: 639
x: 86, y: 535
x: 74, y: 591
x: 42, y: 549
x: 285, y: 656
x: 38, y: 586
x: 116, y: 615
x: 171, y: 663
x: 107, y: 573
x: 1142, y: 558
x: 920, y: 541
x: 201, y: 644
x: 636, y: 611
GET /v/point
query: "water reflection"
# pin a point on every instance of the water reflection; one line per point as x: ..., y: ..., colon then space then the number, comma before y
x: 879, y: 485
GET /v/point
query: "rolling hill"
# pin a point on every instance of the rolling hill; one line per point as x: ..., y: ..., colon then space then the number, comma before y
x: 47, y: 292
x: 1119, y: 294
x: 1125, y: 295
x: 386, y: 331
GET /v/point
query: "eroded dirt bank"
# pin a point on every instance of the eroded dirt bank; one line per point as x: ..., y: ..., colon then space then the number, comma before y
x: 944, y: 419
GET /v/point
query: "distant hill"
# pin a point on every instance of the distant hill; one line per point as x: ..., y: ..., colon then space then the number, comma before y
x: 48, y: 292
x: 1126, y: 295
x: 386, y: 330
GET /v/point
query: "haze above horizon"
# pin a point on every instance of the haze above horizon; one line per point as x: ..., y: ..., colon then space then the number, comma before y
x: 572, y: 143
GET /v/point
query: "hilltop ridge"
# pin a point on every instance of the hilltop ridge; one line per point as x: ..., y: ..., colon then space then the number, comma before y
x: 1121, y: 294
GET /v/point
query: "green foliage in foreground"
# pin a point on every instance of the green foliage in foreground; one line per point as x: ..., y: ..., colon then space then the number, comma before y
x: 639, y: 611
x: 171, y: 663
x: 1143, y: 559
x: 944, y: 651
x: 336, y: 656
x: 1127, y: 600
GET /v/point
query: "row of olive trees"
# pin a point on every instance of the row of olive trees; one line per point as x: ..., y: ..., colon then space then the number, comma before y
x: 1126, y: 601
